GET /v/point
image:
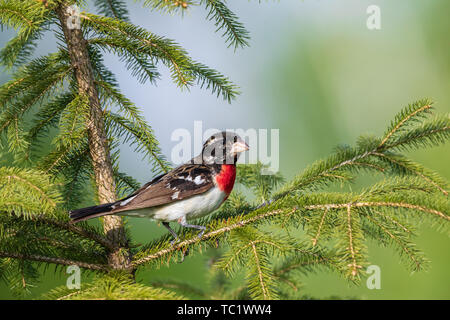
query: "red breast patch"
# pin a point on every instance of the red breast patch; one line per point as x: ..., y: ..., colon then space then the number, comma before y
x: 225, y: 178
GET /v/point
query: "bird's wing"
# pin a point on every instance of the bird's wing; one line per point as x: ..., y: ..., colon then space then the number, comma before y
x: 181, y: 183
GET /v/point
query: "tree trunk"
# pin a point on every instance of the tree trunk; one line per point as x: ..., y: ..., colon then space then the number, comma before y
x: 98, y: 143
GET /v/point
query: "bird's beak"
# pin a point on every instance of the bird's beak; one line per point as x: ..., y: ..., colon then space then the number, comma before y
x: 239, y: 147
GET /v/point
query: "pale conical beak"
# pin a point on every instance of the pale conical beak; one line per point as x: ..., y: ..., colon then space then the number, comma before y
x: 239, y: 147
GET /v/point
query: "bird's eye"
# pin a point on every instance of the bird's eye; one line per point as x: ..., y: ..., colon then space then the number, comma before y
x: 235, y: 139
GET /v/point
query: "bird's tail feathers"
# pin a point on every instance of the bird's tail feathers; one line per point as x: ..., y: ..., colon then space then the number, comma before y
x: 91, y: 212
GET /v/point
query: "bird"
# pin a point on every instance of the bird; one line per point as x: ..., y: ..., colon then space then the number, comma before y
x: 191, y: 190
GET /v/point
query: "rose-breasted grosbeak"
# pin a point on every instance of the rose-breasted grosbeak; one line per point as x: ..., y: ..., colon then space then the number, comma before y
x: 189, y: 191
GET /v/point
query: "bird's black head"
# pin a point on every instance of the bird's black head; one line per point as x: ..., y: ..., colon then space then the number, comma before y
x: 223, y: 148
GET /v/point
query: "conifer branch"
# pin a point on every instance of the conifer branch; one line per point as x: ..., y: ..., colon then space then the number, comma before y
x: 414, y: 110
x: 58, y: 157
x: 21, y: 106
x: 316, y: 237
x: 305, y: 259
x: 141, y: 138
x: 126, y: 39
x: 380, y: 204
x: 54, y: 260
x: 41, y: 192
x: 164, y: 49
x: 265, y: 215
x: 48, y: 115
x: 76, y: 229
x: 339, y: 166
x: 16, y: 14
x: 415, y: 169
x: 27, y: 192
x: 235, y: 33
x: 209, y: 235
x: 353, y: 265
x: 265, y: 291
x: 168, y: 6
x: 112, y: 286
x: 394, y: 221
x: 400, y: 242
x: 113, y: 8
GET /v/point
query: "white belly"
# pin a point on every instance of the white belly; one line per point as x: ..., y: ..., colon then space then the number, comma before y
x: 193, y: 207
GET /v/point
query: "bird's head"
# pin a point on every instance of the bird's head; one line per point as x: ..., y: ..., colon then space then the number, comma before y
x: 223, y: 148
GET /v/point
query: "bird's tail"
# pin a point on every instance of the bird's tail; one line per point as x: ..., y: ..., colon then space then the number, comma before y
x: 91, y: 212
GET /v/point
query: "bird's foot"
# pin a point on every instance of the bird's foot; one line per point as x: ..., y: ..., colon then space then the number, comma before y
x: 174, y: 241
x: 185, y: 253
x: 200, y: 234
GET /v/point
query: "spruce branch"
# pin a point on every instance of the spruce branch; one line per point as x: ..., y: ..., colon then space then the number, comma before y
x: 224, y: 19
x: 304, y: 261
x: 180, y: 286
x: 131, y: 126
x: 251, y: 176
x: 76, y: 173
x: 137, y: 45
x: 125, y: 183
x: 84, y: 231
x: 114, y: 286
x: 350, y: 205
x: 42, y: 88
x: 351, y: 234
x: 72, y: 122
x: 405, y: 246
x: 48, y: 115
x: 61, y: 156
x: 405, y: 166
x: 31, y: 84
x: 289, y: 272
x: 322, y: 219
x: 124, y: 35
x: 394, y: 221
x: 139, y: 63
x: 27, y: 192
x: 21, y: 14
x: 42, y: 237
x: 20, y: 48
x: 141, y: 136
x: 258, y: 217
x: 221, y: 228
x: 249, y: 246
x: 113, y: 9
x: 54, y: 260
x: 411, y: 113
x: 341, y: 165
x: 215, y: 81
x: 168, y: 6
x: 380, y: 204
x: 20, y: 276
x: 262, y: 289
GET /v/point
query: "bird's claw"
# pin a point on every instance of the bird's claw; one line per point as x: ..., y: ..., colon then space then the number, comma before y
x: 185, y: 254
x: 174, y: 241
x: 200, y: 234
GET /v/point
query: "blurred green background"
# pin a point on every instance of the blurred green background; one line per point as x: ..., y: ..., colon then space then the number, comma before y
x: 315, y: 72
